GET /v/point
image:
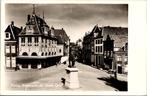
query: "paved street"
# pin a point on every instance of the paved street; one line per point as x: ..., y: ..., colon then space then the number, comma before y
x: 91, y: 79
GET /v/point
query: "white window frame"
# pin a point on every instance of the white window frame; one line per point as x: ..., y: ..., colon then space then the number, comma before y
x: 7, y: 49
x: 13, y: 61
x: 13, y: 49
x: 7, y: 61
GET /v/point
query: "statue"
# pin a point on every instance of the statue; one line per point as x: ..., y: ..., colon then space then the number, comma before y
x: 71, y: 58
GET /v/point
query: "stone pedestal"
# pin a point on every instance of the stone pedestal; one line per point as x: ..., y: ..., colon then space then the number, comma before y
x: 72, y: 80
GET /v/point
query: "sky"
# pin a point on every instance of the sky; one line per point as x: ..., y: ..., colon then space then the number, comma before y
x: 75, y: 19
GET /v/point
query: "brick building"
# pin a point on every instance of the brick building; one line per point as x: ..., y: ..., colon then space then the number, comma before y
x: 93, y: 47
x: 11, y: 42
x: 100, y: 44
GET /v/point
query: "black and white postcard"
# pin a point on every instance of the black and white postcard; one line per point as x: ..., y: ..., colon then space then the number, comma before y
x: 70, y: 47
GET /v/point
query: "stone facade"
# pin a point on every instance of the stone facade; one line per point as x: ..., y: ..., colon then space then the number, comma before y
x: 38, y: 45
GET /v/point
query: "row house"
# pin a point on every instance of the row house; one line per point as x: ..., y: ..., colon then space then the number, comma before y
x: 62, y: 39
x: 93, y: 48
x: 101, y: 43
x: 121, y: 57
x: 108, y: 52
x: 11, y: 45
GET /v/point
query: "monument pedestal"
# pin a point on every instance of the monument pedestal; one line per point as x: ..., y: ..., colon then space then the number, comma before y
x: 72, y: 80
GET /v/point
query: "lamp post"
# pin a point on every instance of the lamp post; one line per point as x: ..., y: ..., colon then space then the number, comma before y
x: 69, y: 53
x: 114, y: 65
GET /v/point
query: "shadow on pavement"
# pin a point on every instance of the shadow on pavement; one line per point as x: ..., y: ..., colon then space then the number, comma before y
x: 120, y: 85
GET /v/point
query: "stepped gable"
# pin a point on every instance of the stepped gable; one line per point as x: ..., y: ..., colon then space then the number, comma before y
x: 118, y: 34
x: 13, y: 30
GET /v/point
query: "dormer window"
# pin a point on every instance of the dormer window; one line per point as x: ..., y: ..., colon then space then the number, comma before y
x: 7, y: 35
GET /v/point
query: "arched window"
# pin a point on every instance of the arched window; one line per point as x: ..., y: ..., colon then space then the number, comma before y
x: 49, y: 53
x: 46, y: 54
x: 42, y: 54
x: 59, y: 50
x: 34, y: 54
x: 25, y: 54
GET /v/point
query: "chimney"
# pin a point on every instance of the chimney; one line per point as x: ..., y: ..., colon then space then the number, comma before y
x: 29, y: 17
x: 12, y: 23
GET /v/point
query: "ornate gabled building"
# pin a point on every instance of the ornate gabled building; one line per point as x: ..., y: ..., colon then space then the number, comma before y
x: 38, y: 46
x: 101, y: 43
x: 108, y: 52
x: 11, y: 42
x: 93, y: 47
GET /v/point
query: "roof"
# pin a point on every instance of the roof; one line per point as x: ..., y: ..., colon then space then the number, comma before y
x: 96, y: 32
x: 118, y: 34
x: 35, y: 25
x: 61, y: 35
x: 13, y: 30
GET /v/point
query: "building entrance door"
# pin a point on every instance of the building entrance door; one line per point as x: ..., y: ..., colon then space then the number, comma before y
x: 34, y: 64
x: 24, y: 65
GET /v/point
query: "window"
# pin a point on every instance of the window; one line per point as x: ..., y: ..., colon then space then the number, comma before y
x: 46, y: 54
x: 7, y: 35
x: 96, y: 49
x: 126, y: 59
x: 25, y: 54
x: 13, y: 49
x: 119, y: 58
x: 36, y: 39
x: 101, y: 49
x: 42, y: 54
x: 13, y: 62
x: 22, y: 40
x: 29, y: 39
x: 98, y: 42
x: 29, y: 27
x: 7, y: 61
x: 7, y: 49
x: 59, y: 50
x: 34, y: 54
